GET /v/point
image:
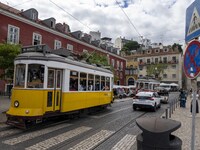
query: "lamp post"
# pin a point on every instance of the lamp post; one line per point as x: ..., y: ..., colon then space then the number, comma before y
x: 156, y: 73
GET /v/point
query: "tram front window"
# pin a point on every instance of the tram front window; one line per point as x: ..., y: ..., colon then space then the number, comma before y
x: 20, y: 75
x: 35, y: 76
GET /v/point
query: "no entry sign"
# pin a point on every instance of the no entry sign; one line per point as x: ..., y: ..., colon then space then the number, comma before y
x: 192, y: 60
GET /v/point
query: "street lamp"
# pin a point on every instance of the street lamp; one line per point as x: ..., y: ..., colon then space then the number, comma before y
x: 156, y: 73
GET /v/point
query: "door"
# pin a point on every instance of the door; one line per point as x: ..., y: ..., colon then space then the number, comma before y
x: 54, y: 94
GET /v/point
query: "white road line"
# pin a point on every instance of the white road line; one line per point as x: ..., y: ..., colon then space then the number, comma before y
x: 58, y: 139
x: 96, y: 117
x: 92, y: 141
x: 34, y: 134
x: 9, y: 132
x: 125, y: 143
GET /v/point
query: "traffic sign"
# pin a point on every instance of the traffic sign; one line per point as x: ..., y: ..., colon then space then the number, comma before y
x: 192, y: 28
x: 192, y: 60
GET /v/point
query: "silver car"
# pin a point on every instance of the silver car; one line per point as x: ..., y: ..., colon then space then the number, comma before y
x: 147, y: 100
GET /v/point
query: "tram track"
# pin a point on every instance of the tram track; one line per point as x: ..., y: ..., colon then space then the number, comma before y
x: 98, y: 129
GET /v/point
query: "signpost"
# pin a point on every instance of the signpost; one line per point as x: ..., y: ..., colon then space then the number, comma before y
x: 192, y: 28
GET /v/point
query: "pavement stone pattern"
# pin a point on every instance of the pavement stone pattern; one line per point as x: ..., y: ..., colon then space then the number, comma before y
x: 184, y: 132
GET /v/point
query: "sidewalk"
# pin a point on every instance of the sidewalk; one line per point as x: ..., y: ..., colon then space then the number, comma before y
x: 4, y: 105
x: 184, y: 132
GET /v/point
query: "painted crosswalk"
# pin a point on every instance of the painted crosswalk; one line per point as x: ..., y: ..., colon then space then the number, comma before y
x: 92, y: 141
x: 125, y: 143
x: 34, y: 134
x: 58, y: 139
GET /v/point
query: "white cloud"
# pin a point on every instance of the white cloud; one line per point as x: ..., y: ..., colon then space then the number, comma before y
x: 158, y: 20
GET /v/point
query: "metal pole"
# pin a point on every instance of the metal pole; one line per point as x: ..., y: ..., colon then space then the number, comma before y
x: 194, y: 85
x: 166, y: 113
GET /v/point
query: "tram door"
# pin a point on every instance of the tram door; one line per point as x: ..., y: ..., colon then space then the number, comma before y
x: 54, y: 93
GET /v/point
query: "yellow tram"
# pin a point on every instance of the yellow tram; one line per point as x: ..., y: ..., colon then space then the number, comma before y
x: 47, y: 84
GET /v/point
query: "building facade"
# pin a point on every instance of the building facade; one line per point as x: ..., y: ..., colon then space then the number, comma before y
x: 25, y: 28
x: 172, y: 58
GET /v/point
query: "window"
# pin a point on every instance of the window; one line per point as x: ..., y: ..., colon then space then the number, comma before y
x: 37, y: 39
x: 83, y: 82
x: 164, y: 59
x: 90, y: 82
x: 51, y: 76
x: 73, y: 83
x: 113, y: 62
x: 117, y: 64
x: 13, y: 34
x: 20, y: 75
x: 174, y: 58
x: 121, y: 65
x: 164, y: 75
x: 102, y: 82
x: 156, y: 60
x: 97, y: 82
x: 173, y: 66
x: 57, y: 44
x: 148, y: 61
x: 173, y: 75
x: 107, y: 87
x: 165, y: 50
x: 35, y: 76
x: 70, y: 47
x: 149, y: 52
x: 157, y: 50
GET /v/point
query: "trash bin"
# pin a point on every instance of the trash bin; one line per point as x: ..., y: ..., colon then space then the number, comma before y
x: 157, y: 135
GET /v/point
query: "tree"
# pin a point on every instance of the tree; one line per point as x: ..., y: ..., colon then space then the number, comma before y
x: 178, y: 46
x: 8, y: 52
x: 128, y: 47
x: 156, y: 69
x: 95, y: 58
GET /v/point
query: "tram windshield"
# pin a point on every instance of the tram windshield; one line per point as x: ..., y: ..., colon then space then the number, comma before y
x: 35, y: 76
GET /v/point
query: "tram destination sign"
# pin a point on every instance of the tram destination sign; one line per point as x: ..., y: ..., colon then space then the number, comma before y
x: 192, y: 28
x: 34, y: 48
x: 192, y: 60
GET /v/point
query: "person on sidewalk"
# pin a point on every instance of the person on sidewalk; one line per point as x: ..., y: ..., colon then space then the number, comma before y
x: 183, y: 98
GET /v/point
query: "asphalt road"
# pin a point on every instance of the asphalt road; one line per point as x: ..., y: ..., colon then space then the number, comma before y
x: 114, y: 128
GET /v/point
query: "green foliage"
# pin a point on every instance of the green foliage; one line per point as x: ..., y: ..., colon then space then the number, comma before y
x: 8, y: 52
x: 179, y: 47
x: 95, y: 58
x: 128, y: 47
x: 156, y: 69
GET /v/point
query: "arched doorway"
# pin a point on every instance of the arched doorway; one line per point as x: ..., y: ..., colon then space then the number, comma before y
x: 131, y: 81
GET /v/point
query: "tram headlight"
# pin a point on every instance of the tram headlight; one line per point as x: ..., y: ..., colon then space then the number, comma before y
x: 16, y: 104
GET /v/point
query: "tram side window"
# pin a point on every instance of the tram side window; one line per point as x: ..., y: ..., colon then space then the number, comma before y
x: 107, y: 87
x: 97, y: 83
x: 51, y: 76
x: 102, y: 82
x: 83, y: 81
x: 35, y: 76
x: 20, y: 75
x: 73, y: 83
x: 90, y: 82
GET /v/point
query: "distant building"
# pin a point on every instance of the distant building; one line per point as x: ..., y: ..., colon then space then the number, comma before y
x: 138, y: 62
x: 95, y: 35
x: 120, y: 42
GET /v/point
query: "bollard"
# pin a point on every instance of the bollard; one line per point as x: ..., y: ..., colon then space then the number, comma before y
x: 169, y: 112
x: 166, y: 113
x: 171, y: 107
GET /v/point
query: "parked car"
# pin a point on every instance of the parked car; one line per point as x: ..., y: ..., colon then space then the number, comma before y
x: 147, y: 100
x: 164, y: 97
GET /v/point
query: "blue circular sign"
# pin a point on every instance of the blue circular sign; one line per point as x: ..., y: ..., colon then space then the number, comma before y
x: 192, y: 60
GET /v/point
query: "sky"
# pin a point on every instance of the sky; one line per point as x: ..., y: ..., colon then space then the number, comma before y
x: 161, y: 21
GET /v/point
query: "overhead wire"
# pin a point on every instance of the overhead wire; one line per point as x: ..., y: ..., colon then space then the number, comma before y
x: 129, y: 19
x: 70, y: 14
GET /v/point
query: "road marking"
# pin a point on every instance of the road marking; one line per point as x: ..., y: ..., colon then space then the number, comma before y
x: 125, y: 143
x: 96, y: 117
x: 58, y: 139
x: 9, y: 132
x: 34, y: 134
x: 92, y: 141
